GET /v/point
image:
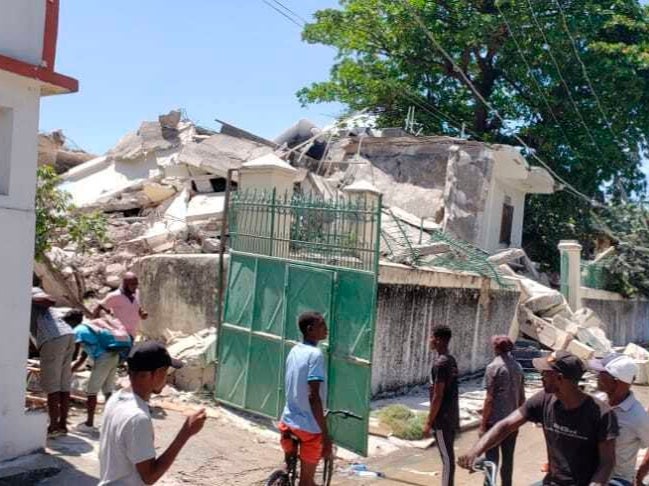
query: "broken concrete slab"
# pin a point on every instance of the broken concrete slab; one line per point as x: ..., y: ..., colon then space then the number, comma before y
x: 506, y: 256
x: 157, y: 192
x: 172, y: 225
x: 205, y: 207
x: 198, y: 354
x: 219, y: 153
x: 542, y: 302
x: 211, y: 245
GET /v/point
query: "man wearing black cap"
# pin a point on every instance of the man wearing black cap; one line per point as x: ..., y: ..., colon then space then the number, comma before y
x: 127, y: 455
x: 579, y: 430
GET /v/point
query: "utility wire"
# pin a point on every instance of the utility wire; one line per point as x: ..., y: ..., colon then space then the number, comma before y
x: 290, y: 11
x: 283, y: 14
x: 609, y: 125
x: 563, y: 81
x: 481, y: 98
x: 530, y: 73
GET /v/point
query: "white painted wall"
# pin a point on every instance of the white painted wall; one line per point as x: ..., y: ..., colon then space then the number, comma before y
x: 508, y: 176
x: 22, y: 25
x: 20, y: 433
x: 493, y: 216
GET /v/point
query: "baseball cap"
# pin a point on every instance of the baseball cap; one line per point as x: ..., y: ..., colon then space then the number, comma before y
x: 620, y: 367
x: 150, y: 356
x: 563, y: 362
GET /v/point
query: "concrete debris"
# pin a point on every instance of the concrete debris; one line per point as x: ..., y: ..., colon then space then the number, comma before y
x: 545, y: 316
x: 205, y: 207
x: 506, y: 256
x: 54, y: 151
x: 197, y: 352
x: 219, y: 153
x: 641, y: 359
x: 211, y: 245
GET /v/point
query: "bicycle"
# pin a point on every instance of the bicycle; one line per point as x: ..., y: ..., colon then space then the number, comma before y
x: 489, y: 469
x: 290, y: 475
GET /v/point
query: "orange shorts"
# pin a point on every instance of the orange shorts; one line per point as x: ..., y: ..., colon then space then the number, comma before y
x: 310, y: 444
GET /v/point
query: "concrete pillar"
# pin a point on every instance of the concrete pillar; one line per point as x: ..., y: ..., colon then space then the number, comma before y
x: 571, y: 272
x: 264, y: 227
x: 367, y: 197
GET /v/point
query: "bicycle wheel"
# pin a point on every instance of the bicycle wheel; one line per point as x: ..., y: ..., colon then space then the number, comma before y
x: 278, y: 478
x: 327, y: 472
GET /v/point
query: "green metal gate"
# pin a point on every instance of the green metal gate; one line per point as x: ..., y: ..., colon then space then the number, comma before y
x: 290, y: 256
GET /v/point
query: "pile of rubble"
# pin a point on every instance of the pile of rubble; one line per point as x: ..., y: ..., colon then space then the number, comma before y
x: 54, y: 150
x: 162, y: 190
x: 544, y: 315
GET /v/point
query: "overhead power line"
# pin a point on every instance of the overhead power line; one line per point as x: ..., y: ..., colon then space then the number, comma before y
x: 563, y: 81
x: 290, y: 11
x: 530, y: 73
x: 283, y: 14
x: 481, y: 98
x: 607, y: 121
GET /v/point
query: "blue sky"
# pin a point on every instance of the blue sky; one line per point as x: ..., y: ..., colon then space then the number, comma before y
x: 236, y: 60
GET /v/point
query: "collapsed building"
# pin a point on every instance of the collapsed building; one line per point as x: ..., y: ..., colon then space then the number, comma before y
x: 451, y: 231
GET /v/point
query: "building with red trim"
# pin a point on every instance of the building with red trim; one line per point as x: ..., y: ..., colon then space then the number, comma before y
x: 28, y: 34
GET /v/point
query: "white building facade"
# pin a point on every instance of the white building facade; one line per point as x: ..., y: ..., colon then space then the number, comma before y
x: 28, y: 32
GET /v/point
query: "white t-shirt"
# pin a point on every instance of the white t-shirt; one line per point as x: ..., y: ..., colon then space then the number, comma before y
x: 126, y: 440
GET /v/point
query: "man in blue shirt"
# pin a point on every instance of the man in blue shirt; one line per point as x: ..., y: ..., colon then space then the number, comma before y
x: 306, y: 396
x: 102, y: 340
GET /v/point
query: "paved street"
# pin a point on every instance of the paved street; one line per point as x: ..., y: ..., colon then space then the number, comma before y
x: 236, y: 452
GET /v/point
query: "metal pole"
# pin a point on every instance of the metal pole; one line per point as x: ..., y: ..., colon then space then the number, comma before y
x: 224, y: 236
x: 272, y: 222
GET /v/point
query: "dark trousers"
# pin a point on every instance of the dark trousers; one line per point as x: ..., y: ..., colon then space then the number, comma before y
x: 504, y: 455
x: 445, y: 438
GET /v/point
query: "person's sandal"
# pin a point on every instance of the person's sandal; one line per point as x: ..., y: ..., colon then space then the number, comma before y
x: 53, y: 434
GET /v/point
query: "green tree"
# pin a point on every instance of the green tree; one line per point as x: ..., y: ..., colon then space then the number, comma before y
x: 60, y: 223
x: 569, y: 78
x: 626, y: 270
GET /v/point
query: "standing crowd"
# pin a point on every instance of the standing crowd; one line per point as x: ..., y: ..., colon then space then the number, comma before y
x: 66, y: 340
x: 590, y: 440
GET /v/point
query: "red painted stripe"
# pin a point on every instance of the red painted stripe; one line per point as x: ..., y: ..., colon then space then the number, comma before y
x: 44, y: 75
x: 51, y: 32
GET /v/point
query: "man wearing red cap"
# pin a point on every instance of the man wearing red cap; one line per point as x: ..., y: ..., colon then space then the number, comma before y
x: 579, y: 430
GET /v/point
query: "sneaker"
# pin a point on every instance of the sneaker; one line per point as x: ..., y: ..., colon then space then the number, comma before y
x: 83, y: 428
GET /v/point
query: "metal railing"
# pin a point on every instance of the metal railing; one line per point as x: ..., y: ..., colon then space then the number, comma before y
x: 342, y: 232
x: 403, y: 244
x: 594, y: 275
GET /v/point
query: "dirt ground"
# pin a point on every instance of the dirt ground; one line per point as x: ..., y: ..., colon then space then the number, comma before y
x: 232, y: 451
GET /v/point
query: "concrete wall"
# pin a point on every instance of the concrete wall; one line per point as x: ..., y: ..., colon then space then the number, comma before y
x: 179, y: 292
x: 627, y: 319
x: 22, y: 25
x: 20, y: 433
x: 411, y: 302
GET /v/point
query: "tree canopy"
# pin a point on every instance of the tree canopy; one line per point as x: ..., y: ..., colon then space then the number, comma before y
x: 570, y: 78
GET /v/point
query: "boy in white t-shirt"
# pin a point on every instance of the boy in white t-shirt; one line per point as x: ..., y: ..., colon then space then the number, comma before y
x: 127, y: 454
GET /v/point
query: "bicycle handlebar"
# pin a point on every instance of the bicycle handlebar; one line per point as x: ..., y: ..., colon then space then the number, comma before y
x: 344, y: 413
